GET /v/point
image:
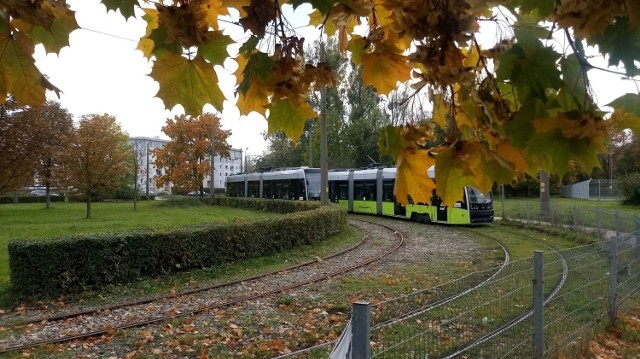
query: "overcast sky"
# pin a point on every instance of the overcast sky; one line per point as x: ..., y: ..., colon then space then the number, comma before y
x: 102, y: 72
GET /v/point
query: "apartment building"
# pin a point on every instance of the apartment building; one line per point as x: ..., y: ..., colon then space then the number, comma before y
x: 223, y: 166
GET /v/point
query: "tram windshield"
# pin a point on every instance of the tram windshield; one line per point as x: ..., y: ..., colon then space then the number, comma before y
x: 477, y: 197
x: 313, y: 185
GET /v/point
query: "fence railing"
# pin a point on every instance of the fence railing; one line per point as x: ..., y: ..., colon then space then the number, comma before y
x: 543, y: 306
x: 592, y: 189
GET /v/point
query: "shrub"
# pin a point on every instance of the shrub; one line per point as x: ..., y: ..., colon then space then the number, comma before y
x: 629, y: 187
x: 30, y: 199
x: 45, y: 268
x: 181, y: 201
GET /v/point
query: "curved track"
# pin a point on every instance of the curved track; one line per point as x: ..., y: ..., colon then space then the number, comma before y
x: 425, y: 308
x: 108, y: 327
x: 521, y: 317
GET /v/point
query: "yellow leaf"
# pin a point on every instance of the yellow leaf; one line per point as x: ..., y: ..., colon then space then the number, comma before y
x: 289, y: 117
x: 452, y: 175
x: 472, y: 57
x: 384, y: 70
x: 212, y: 9
x: 513, y: 155
x: 440, y: 110
x: 256, y: 99
x: 20, y: 77
x: 317, y: 18
x: 412, y: 179
x: 469, y: 163
x: 626, y: 120
x: 357, y: 47
x: 190, y: 83
x: 145, y: 44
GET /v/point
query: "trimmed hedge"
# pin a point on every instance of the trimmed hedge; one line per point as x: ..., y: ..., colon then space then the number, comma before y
x: 30, y: 199
x: 266, y: 205
x: 51, y: 267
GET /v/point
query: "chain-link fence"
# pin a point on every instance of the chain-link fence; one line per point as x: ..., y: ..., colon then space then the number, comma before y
x: 543, y: 306
x: 592, y: 189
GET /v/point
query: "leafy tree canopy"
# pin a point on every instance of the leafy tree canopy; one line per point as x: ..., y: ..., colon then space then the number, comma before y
x: 519, y: 105
x: 186, y: 158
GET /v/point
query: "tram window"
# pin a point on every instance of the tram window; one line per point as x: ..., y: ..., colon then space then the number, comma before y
x: 338, y: 190
x: 282, y: 189
x: 298, y: 189
x: 267, y: 189
x: 387, y: 191
x: 365, y: 190
x: 254, y: 189
x: 235, y: 189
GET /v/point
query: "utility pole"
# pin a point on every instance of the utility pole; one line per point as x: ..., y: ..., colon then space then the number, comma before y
x: 147, y: 182
x: 212, y: 163
x: 324, y: 153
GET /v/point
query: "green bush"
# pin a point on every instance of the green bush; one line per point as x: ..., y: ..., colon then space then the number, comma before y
x: 181, y: 201
x: 30, y: 199
x: 629, y: 187
x: 267, y: 205
x: 51, y: 267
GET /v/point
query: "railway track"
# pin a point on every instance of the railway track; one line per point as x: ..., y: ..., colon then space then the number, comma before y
x: 491, y: 274
x: 450, y: 300
x: 518, y: 319
x: 70, y: 326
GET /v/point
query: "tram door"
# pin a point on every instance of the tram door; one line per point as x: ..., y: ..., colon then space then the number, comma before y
x: 442, y: 212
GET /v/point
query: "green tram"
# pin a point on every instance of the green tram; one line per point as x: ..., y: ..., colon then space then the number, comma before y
x: 367, y: 191
x: 370, y: 191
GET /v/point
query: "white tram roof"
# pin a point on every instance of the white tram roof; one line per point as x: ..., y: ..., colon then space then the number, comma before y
x: 341, y: 175
x: 288, y: 173
x: 284, y: 174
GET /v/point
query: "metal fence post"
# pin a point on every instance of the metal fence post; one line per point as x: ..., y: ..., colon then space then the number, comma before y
x: 538, y: 305
x: 526, y: 206
x: 637, y: 238
x: 598, y: 220
x: 613, y: 277
x: 617, y: 222
x: 360, y: 344
x: 575, y: 216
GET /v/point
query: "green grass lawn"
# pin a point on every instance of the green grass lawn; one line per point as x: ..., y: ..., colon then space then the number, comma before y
x: 534, y: 203
x: 33, y: 220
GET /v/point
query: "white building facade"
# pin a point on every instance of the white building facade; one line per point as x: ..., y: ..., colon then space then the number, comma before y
x: 147, y: 171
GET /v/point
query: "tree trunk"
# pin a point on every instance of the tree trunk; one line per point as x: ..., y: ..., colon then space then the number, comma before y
x: 47, y: 196
x: 48, y: 185
x: 88, y: 205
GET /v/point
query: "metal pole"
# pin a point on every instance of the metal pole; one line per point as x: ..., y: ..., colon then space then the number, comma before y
x: 617, y: 222
x: 575, y: 216
x: 502, y: 199
x: 212, y: 162
x: 147, y: 186
x: 324, y: 153
x: 613, y: 278
x: 637, y: 238
x: 538, y: 305
x: 545, y: 197
x: 360, y: 344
